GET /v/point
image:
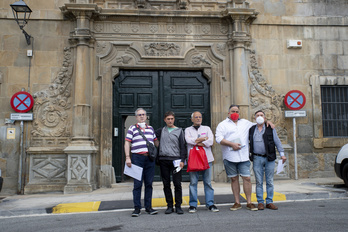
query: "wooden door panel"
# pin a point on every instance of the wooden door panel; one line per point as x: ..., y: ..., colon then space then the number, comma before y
x: 182, y: 92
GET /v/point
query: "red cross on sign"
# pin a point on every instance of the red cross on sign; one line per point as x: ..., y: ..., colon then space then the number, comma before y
x: 22, y: 102
x: 295, y: 100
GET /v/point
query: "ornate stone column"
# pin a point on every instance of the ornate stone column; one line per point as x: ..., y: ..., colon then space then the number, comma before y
x: 239, y: 41
x: 81, y: 151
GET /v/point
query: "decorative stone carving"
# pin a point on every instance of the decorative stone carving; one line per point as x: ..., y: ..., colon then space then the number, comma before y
x: 51, y: 109
x: 208, y: 74
x: 153, y: 28
x: 264, y: 97
x: 221, y: 47
x: 206, y: 29
x: 98, y: 27
x: 135, y: 27
x: 162, y: 49
x: 171, y: 28
x: 100, y: 47
x: 116, y: 27
x: 125, y: 59
x: 224, y: 28
x: 79, y: 167
x: 189, y: 28
x: 140, y: 3
x: 48, y: 167
x: 199, y: 60
x: 183, y: 4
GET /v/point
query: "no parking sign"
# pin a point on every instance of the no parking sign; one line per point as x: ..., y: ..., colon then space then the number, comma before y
x: 22, y: 102
x: 295, y: 100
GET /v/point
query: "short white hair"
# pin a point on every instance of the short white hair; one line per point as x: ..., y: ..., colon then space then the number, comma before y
x: 136, y: 112
x: 195, y: 112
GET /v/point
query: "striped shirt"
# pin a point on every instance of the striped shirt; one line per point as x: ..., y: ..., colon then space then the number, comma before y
x: 138, y: 144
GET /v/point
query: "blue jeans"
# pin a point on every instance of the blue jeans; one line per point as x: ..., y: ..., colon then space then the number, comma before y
x: 148, y: 174
x: 208, y: 189
x: 263, y: 166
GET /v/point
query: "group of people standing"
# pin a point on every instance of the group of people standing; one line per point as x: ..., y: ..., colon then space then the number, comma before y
x: 233, y: 134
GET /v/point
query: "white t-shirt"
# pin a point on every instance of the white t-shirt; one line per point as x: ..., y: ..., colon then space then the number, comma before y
x: 230, y: 131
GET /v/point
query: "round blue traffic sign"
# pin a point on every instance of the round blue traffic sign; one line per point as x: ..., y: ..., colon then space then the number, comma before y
x: 22, y: 102
x: 295, y: 100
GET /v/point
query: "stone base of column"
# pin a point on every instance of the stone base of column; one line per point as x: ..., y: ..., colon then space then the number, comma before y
x: 80, y: 168
x: 70, y: 188
x: 106, y: 176
x: 43, y: 188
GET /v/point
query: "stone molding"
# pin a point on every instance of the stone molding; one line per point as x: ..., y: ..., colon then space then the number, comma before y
x: 315, y: 82
x: 163, y: 5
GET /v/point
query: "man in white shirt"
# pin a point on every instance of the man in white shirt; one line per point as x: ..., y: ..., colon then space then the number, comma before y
x: 233, y: 136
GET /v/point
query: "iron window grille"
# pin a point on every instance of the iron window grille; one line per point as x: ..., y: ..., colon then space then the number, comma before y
x: 334, y: 105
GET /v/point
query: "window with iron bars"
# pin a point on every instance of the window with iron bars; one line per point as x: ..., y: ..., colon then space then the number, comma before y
x: 334, y: 106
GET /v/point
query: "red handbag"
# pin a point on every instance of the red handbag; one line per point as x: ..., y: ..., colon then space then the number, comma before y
x: 197, y: 160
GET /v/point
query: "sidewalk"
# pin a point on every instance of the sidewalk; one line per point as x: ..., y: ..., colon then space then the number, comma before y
x: 120, y: 197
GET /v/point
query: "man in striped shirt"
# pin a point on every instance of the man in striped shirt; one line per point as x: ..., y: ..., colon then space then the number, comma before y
x: 136, y: 145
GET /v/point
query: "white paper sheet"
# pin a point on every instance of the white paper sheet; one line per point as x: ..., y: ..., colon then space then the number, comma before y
x: 280, y: 166
x: 134, y: 171
x: 176, y: 163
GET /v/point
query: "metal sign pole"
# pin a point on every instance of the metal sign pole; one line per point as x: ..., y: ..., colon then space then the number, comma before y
x: 295, y: 147
x: 20, y: 160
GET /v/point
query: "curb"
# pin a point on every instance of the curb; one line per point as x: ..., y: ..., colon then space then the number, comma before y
x: 96, y: 206
x: 219, y: 199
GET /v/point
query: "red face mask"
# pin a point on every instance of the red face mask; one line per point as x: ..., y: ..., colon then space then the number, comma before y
x: 234, y: 116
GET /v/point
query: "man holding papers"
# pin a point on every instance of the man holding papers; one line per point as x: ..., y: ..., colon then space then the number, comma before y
x: 136, y: 145
x: 172, y: 155
x: 263, y: 141
x: 233, y: 134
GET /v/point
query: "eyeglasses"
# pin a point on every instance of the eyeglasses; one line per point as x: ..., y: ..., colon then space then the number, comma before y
x: 233, y: 111
x: 198, y: 117
x: 141, y: 115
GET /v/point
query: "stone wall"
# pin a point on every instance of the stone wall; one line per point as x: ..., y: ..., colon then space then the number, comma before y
x: 322, y: 27
x: 50, y: 35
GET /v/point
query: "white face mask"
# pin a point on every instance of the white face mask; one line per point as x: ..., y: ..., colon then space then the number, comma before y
x: 260, y: 120
x: 141, y: 124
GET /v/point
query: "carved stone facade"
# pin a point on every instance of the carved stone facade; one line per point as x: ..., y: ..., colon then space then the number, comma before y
x: 239, y: 46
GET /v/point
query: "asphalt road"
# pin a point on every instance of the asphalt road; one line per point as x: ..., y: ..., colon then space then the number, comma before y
x: 323, y: 215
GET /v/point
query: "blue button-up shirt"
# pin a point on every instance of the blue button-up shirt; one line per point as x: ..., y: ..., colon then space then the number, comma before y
x: 259, y: 145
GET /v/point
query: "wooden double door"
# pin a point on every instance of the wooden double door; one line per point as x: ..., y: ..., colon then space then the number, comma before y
x: 182, y: 92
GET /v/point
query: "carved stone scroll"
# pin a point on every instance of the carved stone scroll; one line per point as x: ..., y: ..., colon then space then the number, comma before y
x: 52, y: 114
x: 264, y: 97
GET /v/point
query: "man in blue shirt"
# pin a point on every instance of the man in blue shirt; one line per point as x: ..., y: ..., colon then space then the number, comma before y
x: 263, y: 141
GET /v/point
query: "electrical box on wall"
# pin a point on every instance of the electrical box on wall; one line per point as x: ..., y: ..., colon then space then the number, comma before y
x: 292, y: 43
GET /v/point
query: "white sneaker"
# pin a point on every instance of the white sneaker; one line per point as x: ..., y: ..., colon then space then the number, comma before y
x: 192, y: 209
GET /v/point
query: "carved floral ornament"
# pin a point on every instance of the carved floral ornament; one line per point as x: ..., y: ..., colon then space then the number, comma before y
x: 162, y: 49
x: 264, y: 97
x: 51, y: 115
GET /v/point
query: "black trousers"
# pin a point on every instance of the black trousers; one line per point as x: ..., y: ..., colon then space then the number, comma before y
x: 167, y: 168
